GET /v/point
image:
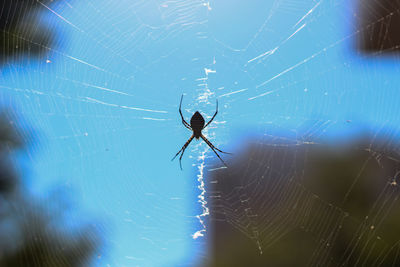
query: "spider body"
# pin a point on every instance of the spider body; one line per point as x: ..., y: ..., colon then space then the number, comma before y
x: 197, y: 126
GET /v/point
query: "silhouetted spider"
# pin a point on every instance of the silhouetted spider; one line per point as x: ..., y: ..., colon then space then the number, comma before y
x: 197, y: 125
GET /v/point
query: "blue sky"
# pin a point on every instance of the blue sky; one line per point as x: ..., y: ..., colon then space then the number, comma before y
x: 104, y: 104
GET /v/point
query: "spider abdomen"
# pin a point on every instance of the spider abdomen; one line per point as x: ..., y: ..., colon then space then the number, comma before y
x: 197, y: 124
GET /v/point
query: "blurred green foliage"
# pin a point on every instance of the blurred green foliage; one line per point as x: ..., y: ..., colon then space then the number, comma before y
x: 21, y: 31
x: 33, y: 232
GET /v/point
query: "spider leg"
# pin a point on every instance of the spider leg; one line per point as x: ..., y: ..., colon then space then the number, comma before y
x: 215, y: 114
x: 211, y: 145
x: 183, y: 150
x: 213, y: 149
x: 183, y: 120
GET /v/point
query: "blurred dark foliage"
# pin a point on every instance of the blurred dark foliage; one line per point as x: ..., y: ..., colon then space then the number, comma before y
x: 9, y: 140
x: 34, y: 232
x: 21, y: 31
x: 379, y: 25
x: 307, y: 205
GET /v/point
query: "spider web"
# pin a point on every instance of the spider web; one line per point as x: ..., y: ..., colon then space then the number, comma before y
x: 286, y: 73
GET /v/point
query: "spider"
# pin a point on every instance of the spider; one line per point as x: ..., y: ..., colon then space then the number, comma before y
x: 197, y: 125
